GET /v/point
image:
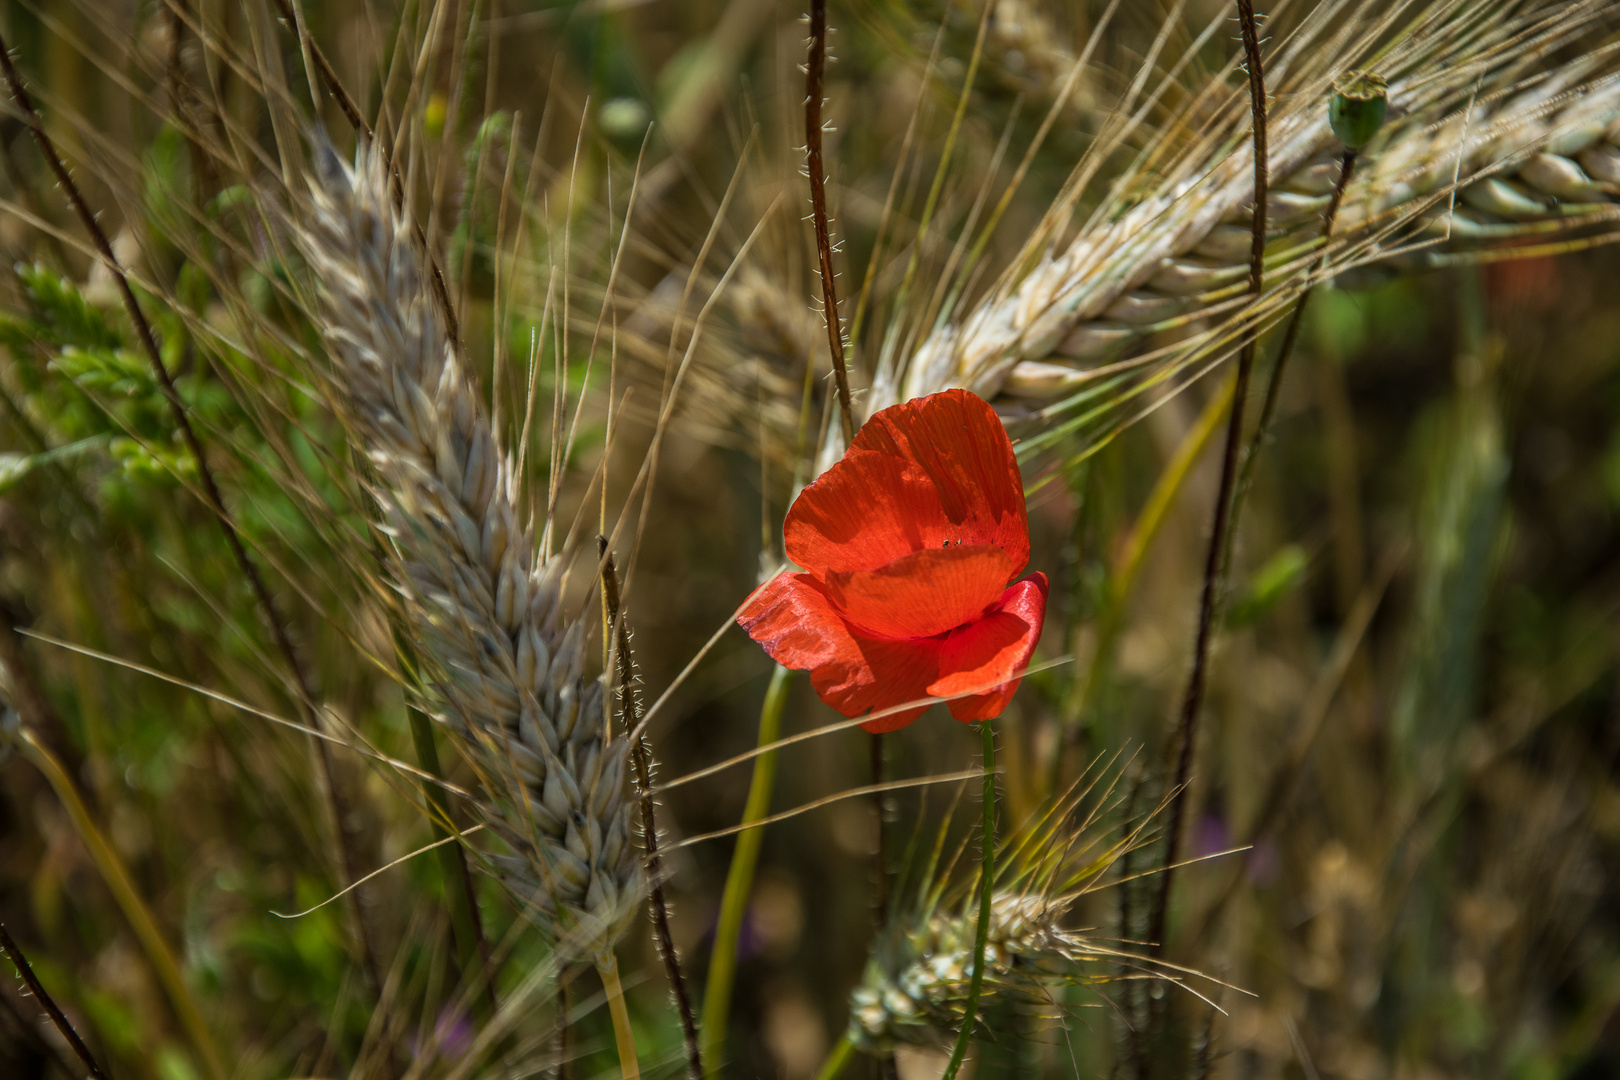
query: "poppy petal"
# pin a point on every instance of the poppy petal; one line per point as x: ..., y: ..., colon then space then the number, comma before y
x: 934, y: 471
x: 792, y: 619
x: 958, y: 441
x: 896, y: 672
x: 795, y: 622
x: 925, y: 593
x: 992, y: 649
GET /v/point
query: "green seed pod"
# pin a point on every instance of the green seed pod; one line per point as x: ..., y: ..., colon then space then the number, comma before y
x: 1356, y: 111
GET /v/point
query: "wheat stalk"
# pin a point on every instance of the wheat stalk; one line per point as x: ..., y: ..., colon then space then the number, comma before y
x: 1471, y: 161
x: 485, y: 611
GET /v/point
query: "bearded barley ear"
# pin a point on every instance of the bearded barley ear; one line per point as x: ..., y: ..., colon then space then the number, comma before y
x: 915, y: 986
x: 486, y: 612
x: 1465, y: 167
x: 1480, y: 144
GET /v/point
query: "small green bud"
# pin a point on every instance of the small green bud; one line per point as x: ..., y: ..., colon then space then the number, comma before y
x: 1356, y: 110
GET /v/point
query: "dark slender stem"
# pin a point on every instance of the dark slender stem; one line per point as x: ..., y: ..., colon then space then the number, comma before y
x: 175, y: 74
x: 880, y: 901
x: 641, y: 766
x: 1193, y: 702
x: 987, y: 888
x: 1134, y: 994
x: 61, y: 1021
x: 814, y: 74
x: 880, y: 806
x: 351, y: 113
x: 1268, y: 405
x: 211, y: 491
x: 30, y: 1031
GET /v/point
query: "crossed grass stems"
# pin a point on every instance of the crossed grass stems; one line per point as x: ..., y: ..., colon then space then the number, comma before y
x: 1230, y: 332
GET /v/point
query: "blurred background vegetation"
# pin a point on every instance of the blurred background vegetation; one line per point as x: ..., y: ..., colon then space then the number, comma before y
x: 1414, y: 714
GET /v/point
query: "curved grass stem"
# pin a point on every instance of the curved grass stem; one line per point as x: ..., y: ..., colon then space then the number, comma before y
x: 814, y: 69
x: 1279, y: 367
x: 740, y: 880
x: 987, y: 886
x: 1128, y: 565
x: 129, y: 900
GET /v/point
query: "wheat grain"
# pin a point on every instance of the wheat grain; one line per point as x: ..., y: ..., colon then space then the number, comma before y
x: 1489, y: 143
x: 486, y: 613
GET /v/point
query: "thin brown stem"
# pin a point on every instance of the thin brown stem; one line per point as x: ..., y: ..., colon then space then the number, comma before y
x: 814, y: 75
x: 1193, y: 702
x: 211, y: 491
x: 887, y: 1066
x: 9, y: 947
x: 30, y: 1031
x: 1268, y: 404
x: 880, y: 807
x: 641, y: 768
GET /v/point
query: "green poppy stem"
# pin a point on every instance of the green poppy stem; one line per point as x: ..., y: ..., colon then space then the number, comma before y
x: 987, y: 879
x: 740, y: 881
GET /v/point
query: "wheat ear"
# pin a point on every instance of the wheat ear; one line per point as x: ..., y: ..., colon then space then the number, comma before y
x: 1474, y: 160
x: 914, y: 988
x: 915, y: 985
x: 485, y: 611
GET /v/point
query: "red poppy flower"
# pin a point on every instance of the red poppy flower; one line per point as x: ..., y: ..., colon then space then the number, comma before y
x: 909, y: 546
